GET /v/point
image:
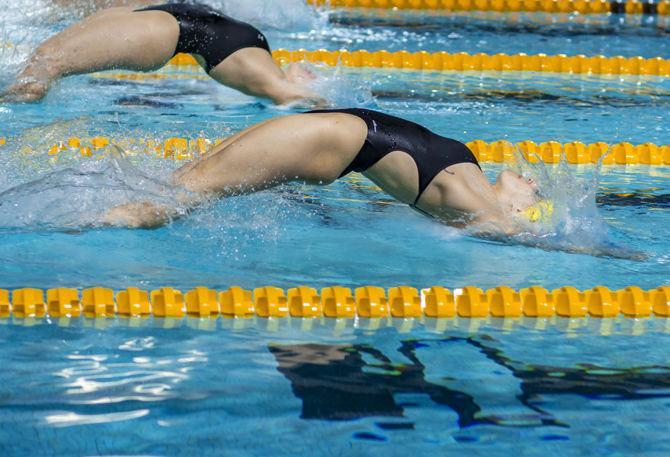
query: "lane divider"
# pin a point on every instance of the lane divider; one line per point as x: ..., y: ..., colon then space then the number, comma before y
x: 501, y: 151
x: 661, y: 7
x: 435, y: 61
x: 463, y: 61
x: 338, y: 302
x: 575, y: 152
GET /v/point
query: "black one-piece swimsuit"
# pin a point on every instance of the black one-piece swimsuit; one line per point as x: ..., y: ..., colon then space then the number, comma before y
x: 210, y: 33
x: 432, y: 153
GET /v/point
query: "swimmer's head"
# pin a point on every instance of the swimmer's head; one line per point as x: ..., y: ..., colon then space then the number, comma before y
x: 539, y: 212
x: 517, y: 194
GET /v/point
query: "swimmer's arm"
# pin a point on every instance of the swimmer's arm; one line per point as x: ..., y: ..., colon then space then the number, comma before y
x: 508, y: 233
x: 492, y: 228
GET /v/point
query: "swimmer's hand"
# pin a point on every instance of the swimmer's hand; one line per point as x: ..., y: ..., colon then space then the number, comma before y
x: 141, y: 215
x: 493, y: 228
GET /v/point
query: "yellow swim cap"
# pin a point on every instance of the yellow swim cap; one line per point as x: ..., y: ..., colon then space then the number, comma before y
x: 542, y: 210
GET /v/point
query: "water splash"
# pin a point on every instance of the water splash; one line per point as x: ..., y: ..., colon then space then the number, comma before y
x: 575, y: 224
x: 78, y: 195
x: 339, y: 88
x: 291, y: 15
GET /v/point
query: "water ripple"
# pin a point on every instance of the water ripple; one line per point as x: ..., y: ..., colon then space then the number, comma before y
x: 68, y: 418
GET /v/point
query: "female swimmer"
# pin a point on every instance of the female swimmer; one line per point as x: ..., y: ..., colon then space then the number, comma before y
x: 144, y: 39
x: 437, y: 176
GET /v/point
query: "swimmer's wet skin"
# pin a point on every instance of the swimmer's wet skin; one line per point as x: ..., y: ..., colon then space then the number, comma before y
x: 232, y: 52
x: 438, y: 176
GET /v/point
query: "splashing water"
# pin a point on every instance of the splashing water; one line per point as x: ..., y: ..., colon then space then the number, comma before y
x: 285, y: 15
x: 78, y: 195
x: 574, y: 224
x: 293, y: 15
x: 340, y: 89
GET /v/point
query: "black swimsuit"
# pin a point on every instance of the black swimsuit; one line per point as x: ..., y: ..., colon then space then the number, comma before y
x: 209, y: 33
x: 432, y: 153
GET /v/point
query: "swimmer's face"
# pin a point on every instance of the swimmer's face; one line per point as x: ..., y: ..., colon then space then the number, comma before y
x: 516, y: 191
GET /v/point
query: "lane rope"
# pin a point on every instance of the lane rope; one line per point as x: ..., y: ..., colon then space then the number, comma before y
x: 501, y: 151
x: 633, y: 7
x: 433, y: 61
x: 463, y: 61
x: 338, y: 302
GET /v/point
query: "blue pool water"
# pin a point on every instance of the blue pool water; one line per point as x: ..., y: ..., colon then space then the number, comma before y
x: 223, y: 387
x: 288, y: 391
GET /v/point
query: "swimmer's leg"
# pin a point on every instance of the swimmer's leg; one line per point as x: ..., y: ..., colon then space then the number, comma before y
x: 112, y: 38
x: 314, y: 148
x: 189, y: 166
x: 254, y: 72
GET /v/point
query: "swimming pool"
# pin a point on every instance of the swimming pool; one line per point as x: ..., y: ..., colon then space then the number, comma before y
x: 259, y: 387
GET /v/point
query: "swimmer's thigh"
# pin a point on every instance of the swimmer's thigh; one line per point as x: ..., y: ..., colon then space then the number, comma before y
x: 308, y: 147
x: 116, y: 38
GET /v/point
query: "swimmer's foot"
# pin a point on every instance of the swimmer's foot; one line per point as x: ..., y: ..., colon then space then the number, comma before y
x: 143, y: 214
x: 299, y: 74
x: 25, y: 91
x: 301, y: 95
x: 306, y: 100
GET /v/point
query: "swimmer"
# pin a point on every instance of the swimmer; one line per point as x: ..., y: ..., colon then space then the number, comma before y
x: 145, y: 39
x: 437, y: 176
